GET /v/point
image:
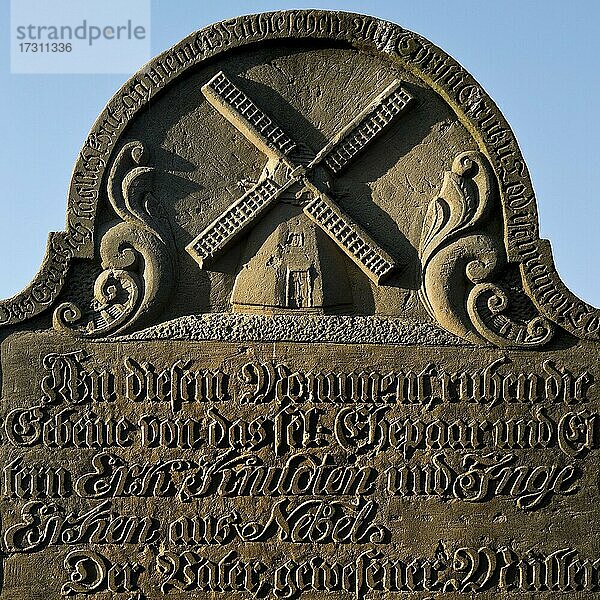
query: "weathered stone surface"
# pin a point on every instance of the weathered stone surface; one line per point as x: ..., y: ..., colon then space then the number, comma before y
x: 300, y: 336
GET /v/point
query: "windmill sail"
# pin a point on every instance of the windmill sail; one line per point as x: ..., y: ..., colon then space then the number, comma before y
x: 245, y: 115
x: 350, y: 237
x: 244, y: 211
x: 364, y: 128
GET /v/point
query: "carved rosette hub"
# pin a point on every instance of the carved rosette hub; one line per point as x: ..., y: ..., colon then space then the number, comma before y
x: 136, y: 253
x: 463, y: 265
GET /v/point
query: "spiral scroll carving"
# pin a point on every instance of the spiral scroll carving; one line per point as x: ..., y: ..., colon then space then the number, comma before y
x: 136, y: 255
x: 462, y: 263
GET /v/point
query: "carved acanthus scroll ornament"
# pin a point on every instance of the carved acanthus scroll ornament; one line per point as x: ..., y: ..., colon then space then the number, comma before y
x: 136, y: 253
x: 463, y: 264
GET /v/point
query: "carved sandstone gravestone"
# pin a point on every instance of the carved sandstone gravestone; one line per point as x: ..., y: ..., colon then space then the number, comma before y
x: 299, y: 337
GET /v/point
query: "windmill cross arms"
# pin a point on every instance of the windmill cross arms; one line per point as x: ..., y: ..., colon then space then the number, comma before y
x: 262, y: 131
x: 375, y: 262
x: 247, y: 118
x: 364, y: 128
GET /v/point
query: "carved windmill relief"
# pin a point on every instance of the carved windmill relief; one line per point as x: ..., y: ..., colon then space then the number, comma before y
x: 297, y: 177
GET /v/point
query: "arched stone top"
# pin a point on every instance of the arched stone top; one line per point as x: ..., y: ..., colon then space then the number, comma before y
x: 104, y: 163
